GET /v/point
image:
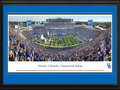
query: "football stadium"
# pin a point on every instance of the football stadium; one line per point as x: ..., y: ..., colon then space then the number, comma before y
x: 59, y: 39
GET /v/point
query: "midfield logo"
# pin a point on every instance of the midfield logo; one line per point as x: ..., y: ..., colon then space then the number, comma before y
x: 109, y: 65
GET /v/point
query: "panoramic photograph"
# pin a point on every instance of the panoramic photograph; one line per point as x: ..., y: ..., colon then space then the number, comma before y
x: 57, y: 37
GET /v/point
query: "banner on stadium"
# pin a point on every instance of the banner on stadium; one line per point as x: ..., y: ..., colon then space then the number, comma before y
x: 29, y: 22
x: 90, y: 22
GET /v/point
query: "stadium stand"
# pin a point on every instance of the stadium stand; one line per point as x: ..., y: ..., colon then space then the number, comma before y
x: 25, y: 50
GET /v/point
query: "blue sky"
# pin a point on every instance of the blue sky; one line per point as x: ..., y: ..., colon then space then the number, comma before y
x: 99, y: 18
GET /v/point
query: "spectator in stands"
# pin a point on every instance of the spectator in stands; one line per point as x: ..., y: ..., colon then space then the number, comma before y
x: 20, y: 50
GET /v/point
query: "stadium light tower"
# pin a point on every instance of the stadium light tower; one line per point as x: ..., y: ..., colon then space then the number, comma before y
x: 18, y: 23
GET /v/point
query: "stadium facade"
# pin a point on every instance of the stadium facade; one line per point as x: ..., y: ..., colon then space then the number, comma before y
x: 60, y: 26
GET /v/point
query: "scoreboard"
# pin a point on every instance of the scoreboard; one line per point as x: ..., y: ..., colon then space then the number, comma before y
x: 59, y: 20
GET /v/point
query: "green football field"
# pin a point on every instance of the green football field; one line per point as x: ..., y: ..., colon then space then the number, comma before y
x: 59, y: 41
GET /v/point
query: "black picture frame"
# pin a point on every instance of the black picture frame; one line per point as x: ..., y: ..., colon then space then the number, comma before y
x: 57, y: 3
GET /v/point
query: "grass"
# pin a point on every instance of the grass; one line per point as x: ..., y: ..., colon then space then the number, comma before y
x: 59, y: 41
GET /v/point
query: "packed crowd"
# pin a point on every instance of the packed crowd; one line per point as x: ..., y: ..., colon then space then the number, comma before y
x: 28, y: 35
x: 86, y: 33
x: 58, y: 32
x: 26, y: 50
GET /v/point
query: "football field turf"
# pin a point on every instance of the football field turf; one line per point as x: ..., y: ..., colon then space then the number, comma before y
x: 55, y: 41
